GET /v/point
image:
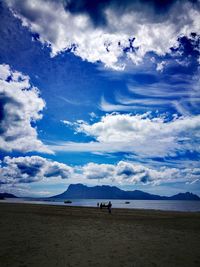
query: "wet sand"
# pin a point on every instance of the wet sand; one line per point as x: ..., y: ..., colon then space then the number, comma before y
x: 60, y: 236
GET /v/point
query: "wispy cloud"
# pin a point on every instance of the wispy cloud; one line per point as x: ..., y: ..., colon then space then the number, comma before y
x: 142, y: 101
x: 178, y: 92
x: 109, y: 107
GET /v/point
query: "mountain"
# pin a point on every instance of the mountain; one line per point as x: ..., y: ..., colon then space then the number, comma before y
x: 80, y: 191
x: 185, y: 196
x: 6, y: 195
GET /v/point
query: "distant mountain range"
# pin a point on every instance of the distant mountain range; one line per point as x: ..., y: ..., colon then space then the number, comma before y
x: 80, y: 191
x: 6, y: 195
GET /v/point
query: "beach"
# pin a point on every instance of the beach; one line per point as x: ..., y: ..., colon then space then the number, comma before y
x: 44, y: 235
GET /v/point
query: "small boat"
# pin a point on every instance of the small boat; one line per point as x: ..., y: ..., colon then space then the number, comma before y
x: 127, y: 202
x: 67, y: 201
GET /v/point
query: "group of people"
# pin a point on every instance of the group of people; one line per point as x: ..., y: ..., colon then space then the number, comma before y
x: 103, y: 205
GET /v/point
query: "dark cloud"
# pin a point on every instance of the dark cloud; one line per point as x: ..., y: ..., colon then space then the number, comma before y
x: 5, y: 118
x: 20, y: 108
x: 31, y: 169
x: 95, y: 9
x: 127, y: 170
x: 146, y: 178
x: 189, y: 46
x: 56, y: 171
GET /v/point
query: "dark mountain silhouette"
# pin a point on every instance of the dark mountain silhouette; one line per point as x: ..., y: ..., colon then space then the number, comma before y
x: 185, y: 196
x: 80, y: 191
x: 6, y: 195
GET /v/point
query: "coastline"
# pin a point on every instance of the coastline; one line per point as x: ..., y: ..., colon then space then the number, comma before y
x: 52, y: 235
x: 160, y: 205
x: 116, y: 210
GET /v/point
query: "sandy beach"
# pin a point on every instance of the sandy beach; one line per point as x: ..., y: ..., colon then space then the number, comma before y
x: 42, y: 235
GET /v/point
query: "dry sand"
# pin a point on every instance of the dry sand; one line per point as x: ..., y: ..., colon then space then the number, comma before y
x: 59, y: 236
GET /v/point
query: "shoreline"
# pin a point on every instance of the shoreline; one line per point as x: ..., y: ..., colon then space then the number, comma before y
x: 58, y: 204
x: 49, y: 235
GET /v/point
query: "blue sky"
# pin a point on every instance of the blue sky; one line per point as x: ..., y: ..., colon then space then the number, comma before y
x: 99, y: 92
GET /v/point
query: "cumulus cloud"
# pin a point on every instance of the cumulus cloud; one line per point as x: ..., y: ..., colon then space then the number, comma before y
x: 20, y: 108
x: 98, y: 171
x: 139, y: 134
x: 112, y: 33
x: 32, y: 169
x: 133, y: 173
x: 19, y: 171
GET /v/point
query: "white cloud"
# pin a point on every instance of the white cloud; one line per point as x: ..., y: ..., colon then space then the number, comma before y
x: 20, y: 172
x: 133, y: 173
x: 160, y: 66
x: 181, y: 94
x: 98, y: 171
x: 20, y: 106
x: 63, y: 30
x: 138, y: 134
x: 127, y: 172
x: 129, y: 105
x: 138, y: 103
x: 108, y: 107
x: 32, y: 169
x: 68, y: 123
x: 93, y: 116
x: 4, y: 72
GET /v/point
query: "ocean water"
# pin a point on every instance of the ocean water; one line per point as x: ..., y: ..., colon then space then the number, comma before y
x: 170, y: 205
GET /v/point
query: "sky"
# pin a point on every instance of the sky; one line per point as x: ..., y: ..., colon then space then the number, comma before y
x: 99, y: 92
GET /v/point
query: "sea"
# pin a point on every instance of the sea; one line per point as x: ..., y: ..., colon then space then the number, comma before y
x: 167, y: 205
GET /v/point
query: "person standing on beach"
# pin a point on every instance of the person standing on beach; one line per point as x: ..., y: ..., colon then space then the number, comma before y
x: 109, y: 207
